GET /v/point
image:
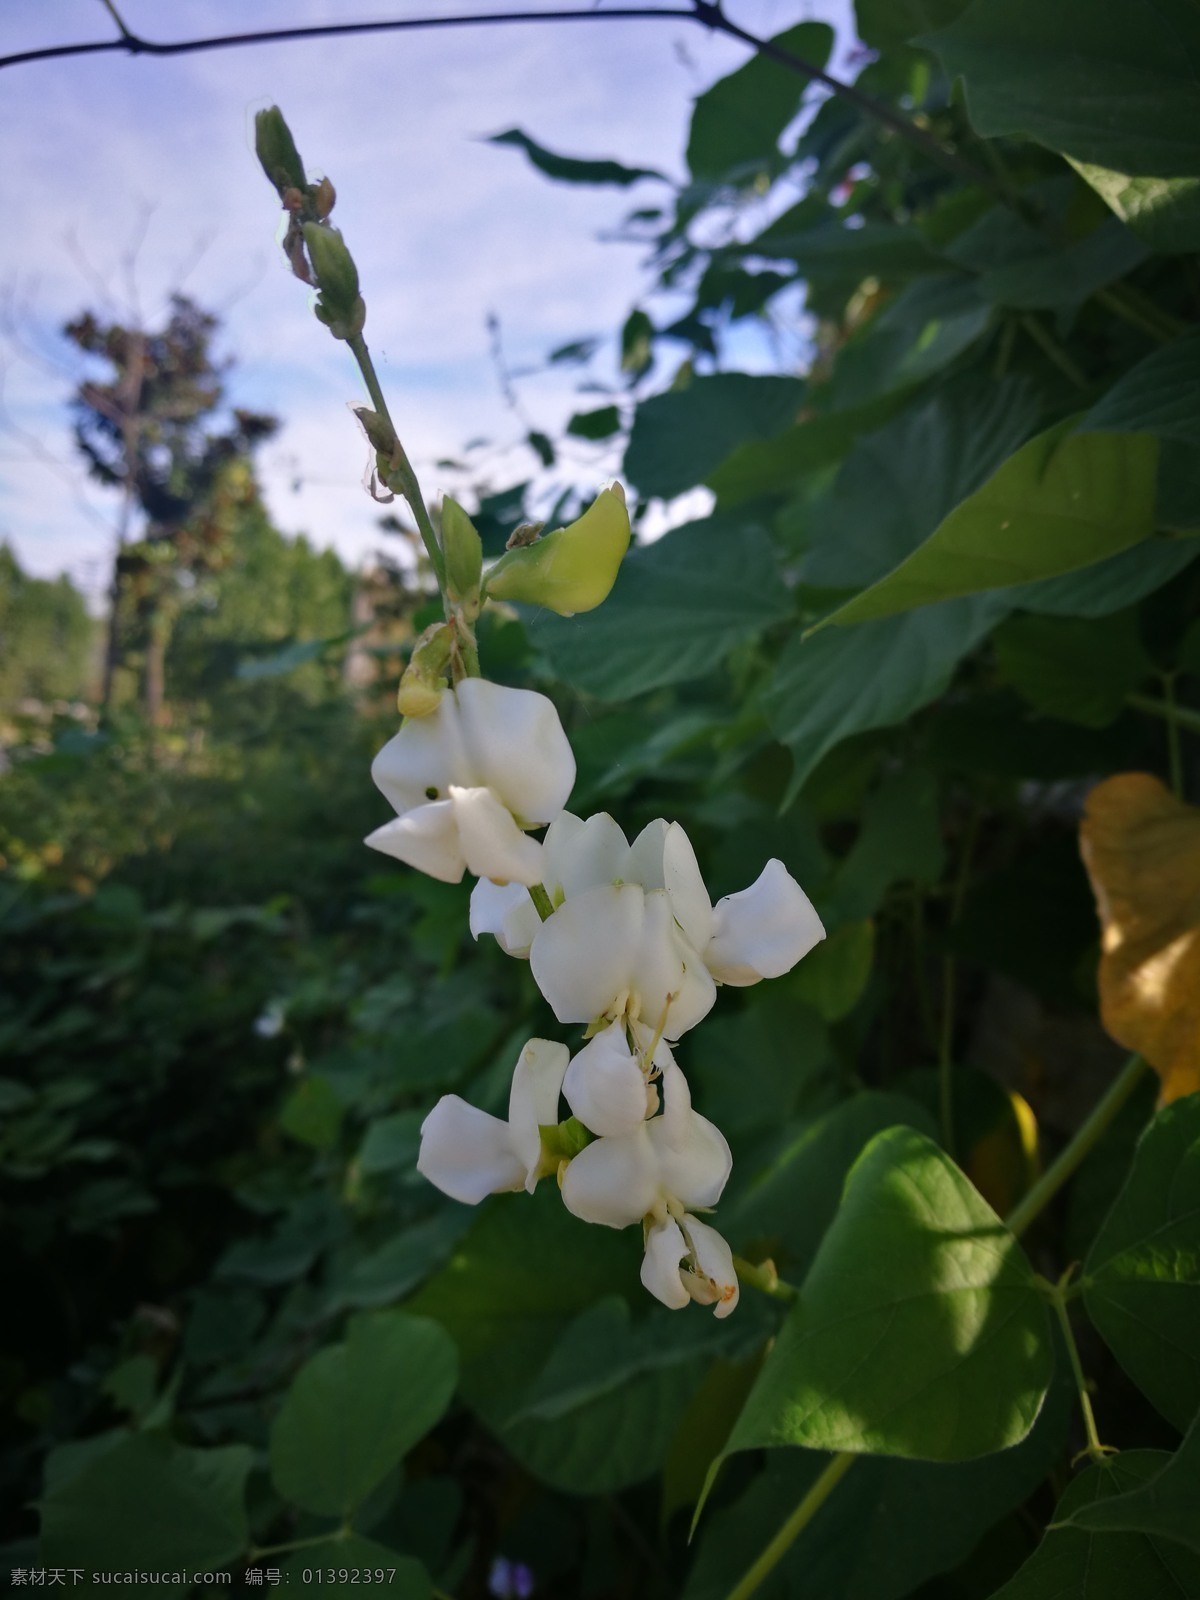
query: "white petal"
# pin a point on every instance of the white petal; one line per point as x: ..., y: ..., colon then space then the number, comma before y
x: 646, y: 855
x: 426, y: 755
x: 580, y: 855
x: 605, y: 1086
x: 693, y: 1157
x: 582, y: 957
x: 533, y: 1100
x: 517, y: 748
x: 667, y: 974
x: 665, y: 1248
x: 506, y: 911
x: 762, y: 931
x: 466, y: 1153
x: 614, y: 1181
x: 685, y: 886
x: 713, y: 1262
x: 426, y: 838
x: 492, y: 844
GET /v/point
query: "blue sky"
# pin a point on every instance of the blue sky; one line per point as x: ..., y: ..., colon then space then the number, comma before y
x: 125, y: 178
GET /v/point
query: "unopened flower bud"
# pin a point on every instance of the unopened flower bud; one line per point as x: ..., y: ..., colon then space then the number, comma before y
x: 339, y: 304
x: 572, y: 569
x: 463, y: 550
x: 276, y: 150
x: 424, y: 680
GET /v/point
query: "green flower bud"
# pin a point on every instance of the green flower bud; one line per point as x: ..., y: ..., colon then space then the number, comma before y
x: 276, y: 150
x: 463, y: 550
x: 572, y: 569
x: 424, y: 680
x: 339, y: 304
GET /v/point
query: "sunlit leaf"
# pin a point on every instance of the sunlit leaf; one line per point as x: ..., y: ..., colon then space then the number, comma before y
x: 919, y: 1330
x: 1141, y: 848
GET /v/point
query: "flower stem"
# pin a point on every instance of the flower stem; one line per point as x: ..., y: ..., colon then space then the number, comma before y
x: 1057, y: 1295
x: 1182, y: 716
x: 541, y: 901
x: 1087, y: 1136
x: 794, y: 1526
x: 401, y: 466
x: 763, y: 1276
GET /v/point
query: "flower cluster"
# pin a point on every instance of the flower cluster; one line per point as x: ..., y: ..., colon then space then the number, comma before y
x: 622, y: 937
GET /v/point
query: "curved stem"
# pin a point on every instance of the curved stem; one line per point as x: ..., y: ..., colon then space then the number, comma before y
x: 1057, y: 1295
x: 1181, y: 716
x: 401, y: 466
x: 1068, y: 1160
x: 794, y: 1526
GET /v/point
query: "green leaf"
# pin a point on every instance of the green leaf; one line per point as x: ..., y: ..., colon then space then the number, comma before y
x: 1165, y: 1505
x: 601, y: 424
x: 1055, y: 73
x: 846, y: 681
x: 1065, y: 277
x: 522, y: 1273
x: 926, y: 327
x: 1165, y: 212
x: 601, y: 1350
x: 739, y: 120
x: 1157, y: 396
x: 680, y: 436
x: 834, y: 975
x: 1141, y: 1281
x: 312, y: 1113
x: 899, y: 841
x: 395, y: 1269
x: 790, y: 1206
x: 769, y: 466
x: 677, y: 608
x: 616, y: 1439
x: 339, y: 1566
x: 1063, y: 501
x: 571, y: 169
x: 918, y: 1331
x: 886, y: 23
x: 354, y: 1410
x: 392, y: 1143
x: 1076, y: 669
x: 901, y: 481
x: 1108, y: 586
x: 833, y: 255
x: 148, y: 1504
x: 1071, y: 1564
x: 890, y: 1526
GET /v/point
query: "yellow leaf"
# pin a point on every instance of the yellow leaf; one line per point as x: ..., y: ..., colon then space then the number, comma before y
x: 1141, y: 848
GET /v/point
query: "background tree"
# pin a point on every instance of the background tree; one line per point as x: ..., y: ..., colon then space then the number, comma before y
x: 148, y: 430
x: 46, y: 636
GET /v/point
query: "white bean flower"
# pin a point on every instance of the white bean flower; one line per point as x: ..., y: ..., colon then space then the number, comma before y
x: 634, y: 929
x: 468, y: 1154
x: 664, y: 1164
x: 469, y: 780
x: 608, y: 1083
x: 687, y: 1260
